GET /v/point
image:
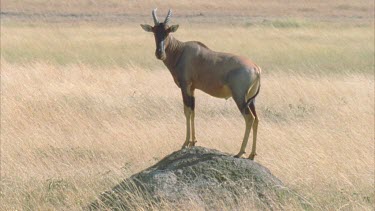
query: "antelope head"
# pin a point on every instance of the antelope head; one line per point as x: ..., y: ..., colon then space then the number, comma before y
x: 161, y: 32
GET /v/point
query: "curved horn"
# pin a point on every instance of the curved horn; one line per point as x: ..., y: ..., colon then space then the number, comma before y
x: 156, y: 22
x: 168, y: 16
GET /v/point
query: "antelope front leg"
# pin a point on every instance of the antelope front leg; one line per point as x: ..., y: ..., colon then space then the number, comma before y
x: 189, y: 112
x: 193, y: 140
x: 192, y: 104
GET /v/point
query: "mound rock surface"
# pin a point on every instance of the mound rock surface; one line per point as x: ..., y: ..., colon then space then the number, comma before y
x: 197, y: 174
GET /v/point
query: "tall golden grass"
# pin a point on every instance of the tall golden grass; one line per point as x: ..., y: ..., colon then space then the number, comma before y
x: 69, y: 133
x: 83, y: 107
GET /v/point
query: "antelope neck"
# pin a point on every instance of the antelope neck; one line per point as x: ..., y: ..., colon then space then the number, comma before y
x: 173, y: 50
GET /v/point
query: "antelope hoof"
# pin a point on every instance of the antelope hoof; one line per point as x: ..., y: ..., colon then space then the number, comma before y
x: 185, y: 145
x: 192, y: 143
x: 239, y: 154
x: 251, y: 157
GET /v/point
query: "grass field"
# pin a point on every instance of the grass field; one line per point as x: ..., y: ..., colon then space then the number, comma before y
x: 86, y: 104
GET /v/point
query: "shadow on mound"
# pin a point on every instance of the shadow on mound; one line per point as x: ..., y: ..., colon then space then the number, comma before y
x: 202, y: 177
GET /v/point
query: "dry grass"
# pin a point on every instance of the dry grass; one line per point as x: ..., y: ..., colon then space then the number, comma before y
x: 220, y: 9
x: 69, y: 133
x: 83, y: 107
x: 324, y: 48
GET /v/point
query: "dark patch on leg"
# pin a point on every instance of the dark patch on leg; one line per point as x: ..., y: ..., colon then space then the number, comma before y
x: 247, y: 110
x: 189, y: 101
x: 192, y: 103
x: 252, y: 108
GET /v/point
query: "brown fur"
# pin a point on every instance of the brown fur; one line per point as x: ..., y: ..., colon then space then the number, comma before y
x: 194, y: 66
x: 212, y: 72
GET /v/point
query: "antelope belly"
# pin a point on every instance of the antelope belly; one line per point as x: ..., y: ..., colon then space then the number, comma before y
x: 220, y: 92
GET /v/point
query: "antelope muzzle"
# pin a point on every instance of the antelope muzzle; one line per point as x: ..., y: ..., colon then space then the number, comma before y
x: 160, y: 51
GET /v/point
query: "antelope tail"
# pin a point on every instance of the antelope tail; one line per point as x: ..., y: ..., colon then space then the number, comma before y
x: 251, y: 99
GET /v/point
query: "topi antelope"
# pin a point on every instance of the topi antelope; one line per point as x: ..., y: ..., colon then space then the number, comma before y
x: 194, y: 66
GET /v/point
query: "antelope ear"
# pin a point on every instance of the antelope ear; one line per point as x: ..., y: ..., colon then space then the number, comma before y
x: 146, y: 27
x: 173, y: 28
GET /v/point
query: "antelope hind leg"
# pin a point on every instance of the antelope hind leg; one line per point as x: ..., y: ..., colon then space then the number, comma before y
x: 255, y: 131
x: 249, y: 119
